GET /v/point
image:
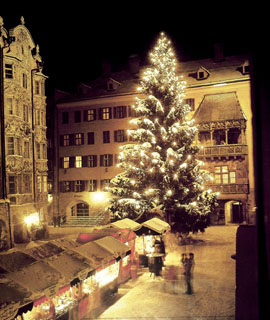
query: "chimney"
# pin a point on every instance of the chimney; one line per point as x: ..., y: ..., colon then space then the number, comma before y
x: 106, y: 68
x: 134, y: 63
x: 218, y: 52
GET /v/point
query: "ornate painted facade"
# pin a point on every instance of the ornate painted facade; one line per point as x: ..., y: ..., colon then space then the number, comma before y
x: 24, y: 109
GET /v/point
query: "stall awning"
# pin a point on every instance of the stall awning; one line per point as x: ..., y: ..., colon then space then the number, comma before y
x: 39, y: 278
x: 154, y: 226
x: 65, y: 243
x: 14, y: 261
x: 126, y: 223
x: 69, y: 265
x: 44, y: 251
x: 95, y: 254
x: 116, y: 247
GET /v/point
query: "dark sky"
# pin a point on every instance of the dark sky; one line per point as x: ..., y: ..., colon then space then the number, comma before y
x: 76, y: 38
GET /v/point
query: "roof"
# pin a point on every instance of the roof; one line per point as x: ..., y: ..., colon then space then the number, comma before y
x: 14, y: 261
x: 114, y: 246
x: 44, y: 251
x: 69, y: 265
x: 36, y: 278
x: 95, y: 254
x: 126, y: 223
x: 219, y: 72
x: 219, y: 107
x: 155, y: 226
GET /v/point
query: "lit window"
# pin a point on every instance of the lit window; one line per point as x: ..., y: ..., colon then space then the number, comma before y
x: 78, y: 186
x: 10, y: 146
x: 66, y: 186
x: 66, y: 140
x: 91, y: 114
x: 39, y: 183
x: 223, y: 176
x: 106, y: 113
x: 92, y: 186
x: 10, y: 106
x: 232, y: 177
x: 66, y: 162
x: 45, y: 189
x: 78, y: 161
x: 106, y: 160
x: 78, y: 139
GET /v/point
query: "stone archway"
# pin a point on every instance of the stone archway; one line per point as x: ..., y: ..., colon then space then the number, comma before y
x: 234, y: 211
x: 78, y: 208
x: 3, y: 236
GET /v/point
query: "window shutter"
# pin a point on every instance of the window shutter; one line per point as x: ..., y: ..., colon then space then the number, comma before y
x: 85, y: 115
x: 100, y: 110
x: 115, y: 135
x: 72, y: 186
x: 110, y: 159
x: 84, y: 161
x: 61, y: 162
x: 71, y: 162
x: 95, y: 185
x: 95, y: 160
x: 110, y: 113
x: 124, y: 111
x: 114, y: 112
x: 101, y: 163
x: 72, y: 139
x: 125, y: 135
x: 82, y: 138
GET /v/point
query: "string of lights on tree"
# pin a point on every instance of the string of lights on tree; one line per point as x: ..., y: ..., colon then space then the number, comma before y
x: 160, y: 168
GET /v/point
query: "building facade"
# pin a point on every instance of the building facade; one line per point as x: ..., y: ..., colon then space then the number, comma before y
x: 24, y: 152
x: 93, y: 123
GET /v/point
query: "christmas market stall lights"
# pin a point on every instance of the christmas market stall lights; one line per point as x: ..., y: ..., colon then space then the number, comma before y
x: 60, y: 277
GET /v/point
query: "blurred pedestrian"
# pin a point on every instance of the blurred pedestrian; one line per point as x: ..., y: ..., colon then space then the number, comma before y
x: 189, y: 267
x: 184, y: 262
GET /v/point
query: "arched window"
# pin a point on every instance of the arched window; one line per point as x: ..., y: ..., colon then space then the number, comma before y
x: 80, y: 210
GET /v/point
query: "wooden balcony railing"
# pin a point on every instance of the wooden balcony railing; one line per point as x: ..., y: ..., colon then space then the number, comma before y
x: 224, y: 150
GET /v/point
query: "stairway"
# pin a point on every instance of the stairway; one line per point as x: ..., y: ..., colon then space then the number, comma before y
x: 84, y: 221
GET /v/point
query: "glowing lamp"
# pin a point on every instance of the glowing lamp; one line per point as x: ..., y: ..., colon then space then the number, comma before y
x: 98, y: 196
x: 32, y: 219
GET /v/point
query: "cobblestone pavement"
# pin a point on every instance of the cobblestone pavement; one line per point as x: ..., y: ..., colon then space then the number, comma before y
x: 213, y: 284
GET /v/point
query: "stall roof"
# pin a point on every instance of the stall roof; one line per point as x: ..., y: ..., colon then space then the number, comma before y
x: 126, y: 223
x: 95, y: 254
x: 66, y: 243
x: 44, y: 251
x: 116, y: 247
x: 14, y: 261
x: 70, y: 265
x: 154, y: 226
x: 37, y: 278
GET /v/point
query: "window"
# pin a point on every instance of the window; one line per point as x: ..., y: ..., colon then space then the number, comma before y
x: 78, y: 186
x: 91, y: 161
x: 120, y: 112
x: 24, y: 80
x: 191, y: 103
x: 18, y: 146
x: 106, y: 136
x: 65, y: 117
x: 223, y: 176
x: 66, y: 162
x: 78, y: 161
x: 27, y: 183
x: 66, y: 186
x: 36, y: 87
x: 92, y: 186
x: 66, y: 140
x: 106, y: 160
x: 120, y: 136
x: 104, y: 184
x: 38, y: 151
x: 8, y: 71
x: 38, y: 117
x: 78, y: 139
x: 91, y: 137
x: 10, y: 146
x: 105, y: 113
x: 90, y: 115
x: 45, y: 189
x: 82, y: 209
x: 12, y: 188
x: 77, y: 116
x: 25, y: 113
x: 26, y: 149
x: 10, y: 106
x: 201, y: 75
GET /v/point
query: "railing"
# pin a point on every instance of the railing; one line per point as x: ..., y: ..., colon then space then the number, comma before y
x: 88, y: 221
x: 230, y: 188
x: 224, y: 150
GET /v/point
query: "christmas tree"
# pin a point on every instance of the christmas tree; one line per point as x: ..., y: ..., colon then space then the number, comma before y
x: 160, y: 167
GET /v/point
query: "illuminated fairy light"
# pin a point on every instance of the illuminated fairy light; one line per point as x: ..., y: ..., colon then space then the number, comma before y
x: 32, y: 219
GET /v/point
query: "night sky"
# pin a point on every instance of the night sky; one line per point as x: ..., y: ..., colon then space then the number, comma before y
x: 75, y: 40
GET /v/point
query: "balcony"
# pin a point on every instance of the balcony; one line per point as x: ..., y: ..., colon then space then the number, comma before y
x: 221, y: 151
x: 230, y: 188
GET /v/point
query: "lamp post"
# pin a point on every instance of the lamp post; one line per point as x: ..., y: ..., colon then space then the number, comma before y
x: 5, y: 41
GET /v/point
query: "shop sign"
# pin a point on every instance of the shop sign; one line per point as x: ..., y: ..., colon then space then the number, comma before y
x: 51, y: 291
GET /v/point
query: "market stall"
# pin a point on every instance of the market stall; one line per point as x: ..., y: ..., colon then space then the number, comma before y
x: 150, y: 240
x: 126, y: 224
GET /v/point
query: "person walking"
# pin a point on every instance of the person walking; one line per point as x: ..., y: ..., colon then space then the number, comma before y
x: 189, y: 267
